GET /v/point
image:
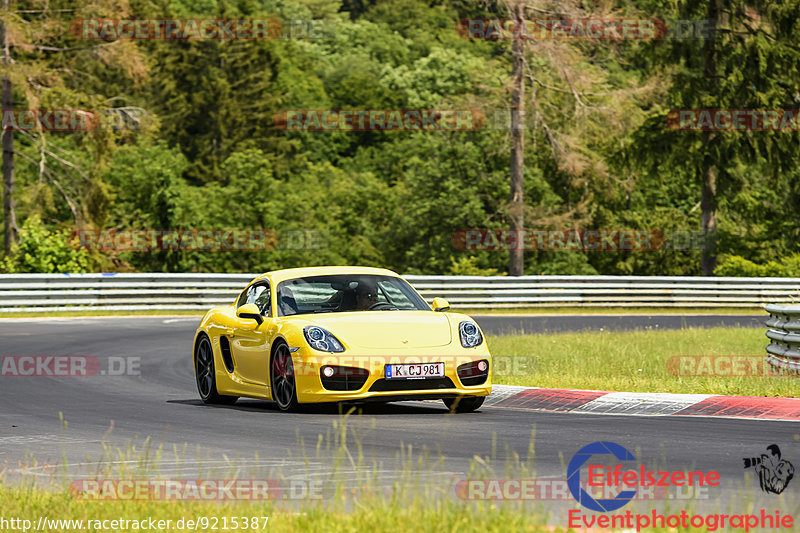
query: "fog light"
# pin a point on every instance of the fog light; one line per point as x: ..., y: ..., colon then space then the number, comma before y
x: 327, y: 371
x: 482, y: 366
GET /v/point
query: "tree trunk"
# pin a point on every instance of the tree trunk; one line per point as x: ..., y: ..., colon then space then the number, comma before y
x: 708, y: 199
x: 708, y: 206
x: 9, y: 216
x: 516, y: 260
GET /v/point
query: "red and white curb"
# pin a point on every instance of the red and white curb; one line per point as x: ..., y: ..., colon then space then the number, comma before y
x: 643, y: 403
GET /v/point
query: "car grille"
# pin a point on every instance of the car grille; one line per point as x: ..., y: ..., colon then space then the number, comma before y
x: 386, y: 385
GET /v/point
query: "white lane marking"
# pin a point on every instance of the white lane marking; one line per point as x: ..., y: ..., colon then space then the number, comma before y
x: 87, y: 319
x: 187, y: 319
x: 95, y: 318
x: 160, y: 468
x: 35, y: 439
x: 192, y: 462
x: 650, y: 403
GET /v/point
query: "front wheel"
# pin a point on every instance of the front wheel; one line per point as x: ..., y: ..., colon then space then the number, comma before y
x: 463, y: 404
x: 284, y: 390
x: 205, y: 374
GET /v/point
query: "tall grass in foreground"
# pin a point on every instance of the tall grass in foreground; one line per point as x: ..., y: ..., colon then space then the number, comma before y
x: 356, y: 497
x: 635, y: 361
x: 361, y: 494
x: 369, y: 513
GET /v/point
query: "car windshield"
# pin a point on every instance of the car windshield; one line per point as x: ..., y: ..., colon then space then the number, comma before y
x: 338, y: 293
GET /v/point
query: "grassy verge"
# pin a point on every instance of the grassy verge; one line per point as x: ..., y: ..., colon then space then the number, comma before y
x: 616, y: 311
x: 637, y: 361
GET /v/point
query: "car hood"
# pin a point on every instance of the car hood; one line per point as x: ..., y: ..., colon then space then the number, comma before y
x: 388, y: 329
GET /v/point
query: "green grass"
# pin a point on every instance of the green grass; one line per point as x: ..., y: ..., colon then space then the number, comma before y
x: 614, y: 311
x: 369, y: 513
x: 633, y: 361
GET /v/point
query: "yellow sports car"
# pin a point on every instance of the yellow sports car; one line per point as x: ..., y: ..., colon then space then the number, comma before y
x: 332, y: 334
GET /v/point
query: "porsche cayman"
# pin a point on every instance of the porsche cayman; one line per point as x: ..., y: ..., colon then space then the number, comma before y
x: 335, y: 334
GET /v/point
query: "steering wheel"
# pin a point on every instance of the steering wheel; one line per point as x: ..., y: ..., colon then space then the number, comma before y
x: 378, y: 305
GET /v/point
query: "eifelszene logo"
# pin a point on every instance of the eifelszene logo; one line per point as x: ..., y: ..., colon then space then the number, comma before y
x: 616, y: 477
x: 774, y: 473
x: 574, y: 476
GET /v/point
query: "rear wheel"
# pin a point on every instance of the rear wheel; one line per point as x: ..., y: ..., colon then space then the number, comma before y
x: 464, y: 404
x: 284, y: 389
x: 206, y: 375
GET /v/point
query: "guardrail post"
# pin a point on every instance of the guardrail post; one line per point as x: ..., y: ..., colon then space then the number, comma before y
x: 783, y: 351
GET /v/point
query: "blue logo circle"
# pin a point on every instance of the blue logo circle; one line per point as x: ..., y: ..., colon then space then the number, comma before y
x: 574, y: 476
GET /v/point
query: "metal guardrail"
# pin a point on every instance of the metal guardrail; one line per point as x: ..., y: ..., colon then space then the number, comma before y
x: 783, y: 351
x: 608, y: 291
x: 144, y: 291
x: 118, y: 292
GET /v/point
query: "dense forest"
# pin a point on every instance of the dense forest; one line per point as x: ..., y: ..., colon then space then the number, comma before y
x: 193, y: 134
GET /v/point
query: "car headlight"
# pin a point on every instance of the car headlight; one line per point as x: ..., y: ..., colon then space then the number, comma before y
x: 470, y: 334
x: 322, y: 339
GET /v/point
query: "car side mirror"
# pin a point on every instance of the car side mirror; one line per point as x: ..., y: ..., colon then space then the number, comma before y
x: 250, y: 311
x: 440, y: 304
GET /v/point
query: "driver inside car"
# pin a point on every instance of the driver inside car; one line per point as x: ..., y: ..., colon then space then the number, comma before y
x: 366, y: 295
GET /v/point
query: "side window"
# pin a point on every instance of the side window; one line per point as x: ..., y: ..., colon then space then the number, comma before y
x: 262, y: 298
x: 243, y: 297
x: 258, y: 294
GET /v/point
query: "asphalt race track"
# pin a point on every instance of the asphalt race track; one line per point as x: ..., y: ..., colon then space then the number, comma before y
x: 162, y: 403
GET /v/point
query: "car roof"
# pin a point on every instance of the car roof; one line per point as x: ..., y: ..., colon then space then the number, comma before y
x: 276, y: 276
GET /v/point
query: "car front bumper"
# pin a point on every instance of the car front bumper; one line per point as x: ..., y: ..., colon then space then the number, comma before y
x: 312, y: 387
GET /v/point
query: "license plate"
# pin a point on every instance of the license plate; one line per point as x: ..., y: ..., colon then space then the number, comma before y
x: 415, y: 371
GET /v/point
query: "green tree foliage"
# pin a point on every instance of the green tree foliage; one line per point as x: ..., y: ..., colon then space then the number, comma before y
x: 734, y: 265
x: 199, y: 148
x: 42, y: 250
x: 748, y: 58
